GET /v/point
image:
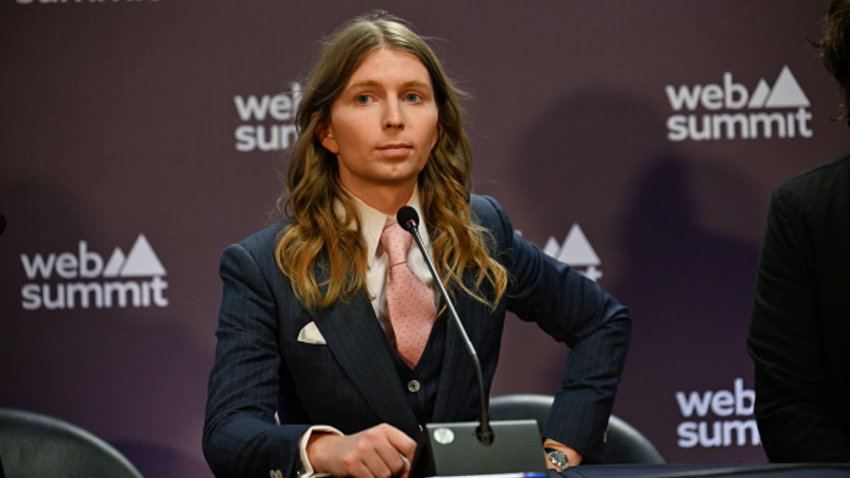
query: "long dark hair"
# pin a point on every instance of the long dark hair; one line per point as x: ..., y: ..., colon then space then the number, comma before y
x: 323, y: 217
x: 834, y: 46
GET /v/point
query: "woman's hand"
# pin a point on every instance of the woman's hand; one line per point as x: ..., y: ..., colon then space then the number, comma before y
x: 574, y: 458
x: 381, y: 451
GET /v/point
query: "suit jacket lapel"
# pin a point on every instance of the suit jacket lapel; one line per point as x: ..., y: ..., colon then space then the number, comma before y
x: 457, y: 377
x: 358, y: 343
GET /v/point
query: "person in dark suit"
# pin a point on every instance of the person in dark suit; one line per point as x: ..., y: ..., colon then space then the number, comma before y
x: 800, y: 332
x: 314, y: 372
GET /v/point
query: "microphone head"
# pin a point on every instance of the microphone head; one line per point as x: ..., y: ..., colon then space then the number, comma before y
x: 407, y: 218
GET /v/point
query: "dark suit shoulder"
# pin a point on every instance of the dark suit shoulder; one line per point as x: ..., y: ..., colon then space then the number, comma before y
x: 483, y: 204
x: 816, y: 185
x: 487, y: 212
x: 258, y: 250
x: 264, y: 239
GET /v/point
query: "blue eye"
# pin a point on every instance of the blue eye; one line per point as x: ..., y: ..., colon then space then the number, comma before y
x: 413, y: 97
x: 362, y: 99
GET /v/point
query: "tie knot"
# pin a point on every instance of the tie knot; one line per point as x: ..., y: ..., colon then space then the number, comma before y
x: 396, y: 242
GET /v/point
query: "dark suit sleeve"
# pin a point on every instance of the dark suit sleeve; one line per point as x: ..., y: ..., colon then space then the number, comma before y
x: 578, y: 312
x: 792, y: 406
x: 241, y: 438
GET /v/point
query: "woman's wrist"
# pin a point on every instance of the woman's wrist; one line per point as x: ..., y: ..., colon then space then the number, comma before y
x: 573, y: 457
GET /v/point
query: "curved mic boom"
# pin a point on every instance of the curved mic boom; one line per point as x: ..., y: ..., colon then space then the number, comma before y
x: 408, y: 219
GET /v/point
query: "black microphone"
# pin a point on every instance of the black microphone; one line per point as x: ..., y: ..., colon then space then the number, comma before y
x: 408, y: 219
x: 451, y: 448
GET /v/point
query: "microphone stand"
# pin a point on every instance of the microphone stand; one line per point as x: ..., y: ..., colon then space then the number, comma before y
x: 466, y: 448
x: 484, y: 432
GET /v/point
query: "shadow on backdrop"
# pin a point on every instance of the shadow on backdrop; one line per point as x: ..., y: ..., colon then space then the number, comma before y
x: 601, y: 158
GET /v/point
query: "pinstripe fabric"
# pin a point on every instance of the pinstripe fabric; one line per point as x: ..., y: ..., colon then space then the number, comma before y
x: 799, y: 329
x: 350, y: 383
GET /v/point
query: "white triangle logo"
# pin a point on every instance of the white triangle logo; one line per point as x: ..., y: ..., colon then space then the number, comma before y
x: 577, y: 250
x: 552, y: 248
x: 787, y: 92
x: 113, y: 267
x: 142, y: 260
x: 759, y: 95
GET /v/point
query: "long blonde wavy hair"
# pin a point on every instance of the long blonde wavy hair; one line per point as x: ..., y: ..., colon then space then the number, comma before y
x: 322, y: 214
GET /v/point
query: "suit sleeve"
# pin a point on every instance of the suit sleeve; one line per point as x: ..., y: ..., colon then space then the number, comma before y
x: 241, y: 437
x: 592, y: 323
x: 791, y: 387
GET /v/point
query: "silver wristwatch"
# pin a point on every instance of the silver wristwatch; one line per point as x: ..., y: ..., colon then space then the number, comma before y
x: 558, y: 458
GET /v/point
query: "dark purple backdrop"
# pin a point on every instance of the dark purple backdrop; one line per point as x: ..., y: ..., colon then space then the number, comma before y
x: 130, y: 118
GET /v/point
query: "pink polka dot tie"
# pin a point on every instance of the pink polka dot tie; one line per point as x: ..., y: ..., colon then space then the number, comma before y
x: 410, y: 302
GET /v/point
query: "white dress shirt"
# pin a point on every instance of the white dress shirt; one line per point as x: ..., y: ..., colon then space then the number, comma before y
x: 372, y: 223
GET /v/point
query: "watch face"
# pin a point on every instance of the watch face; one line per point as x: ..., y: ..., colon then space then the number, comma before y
x: 558, y: 458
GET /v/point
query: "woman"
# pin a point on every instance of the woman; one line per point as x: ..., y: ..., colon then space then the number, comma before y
x: 310, y: 333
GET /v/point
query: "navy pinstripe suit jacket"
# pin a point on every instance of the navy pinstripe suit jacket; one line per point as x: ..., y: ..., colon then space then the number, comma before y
x: 350, y: 382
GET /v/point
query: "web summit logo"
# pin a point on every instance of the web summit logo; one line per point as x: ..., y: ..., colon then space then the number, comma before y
x: 718, y: 418
x: 577, y: 252
x: 86, y: 281
x: 781, y: 111
x: 268, y: 121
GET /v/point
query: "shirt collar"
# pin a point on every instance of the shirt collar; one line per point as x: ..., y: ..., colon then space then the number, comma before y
x: 373, y: 221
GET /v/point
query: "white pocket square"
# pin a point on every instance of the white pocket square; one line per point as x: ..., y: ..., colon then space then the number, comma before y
x: 310, y: 334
